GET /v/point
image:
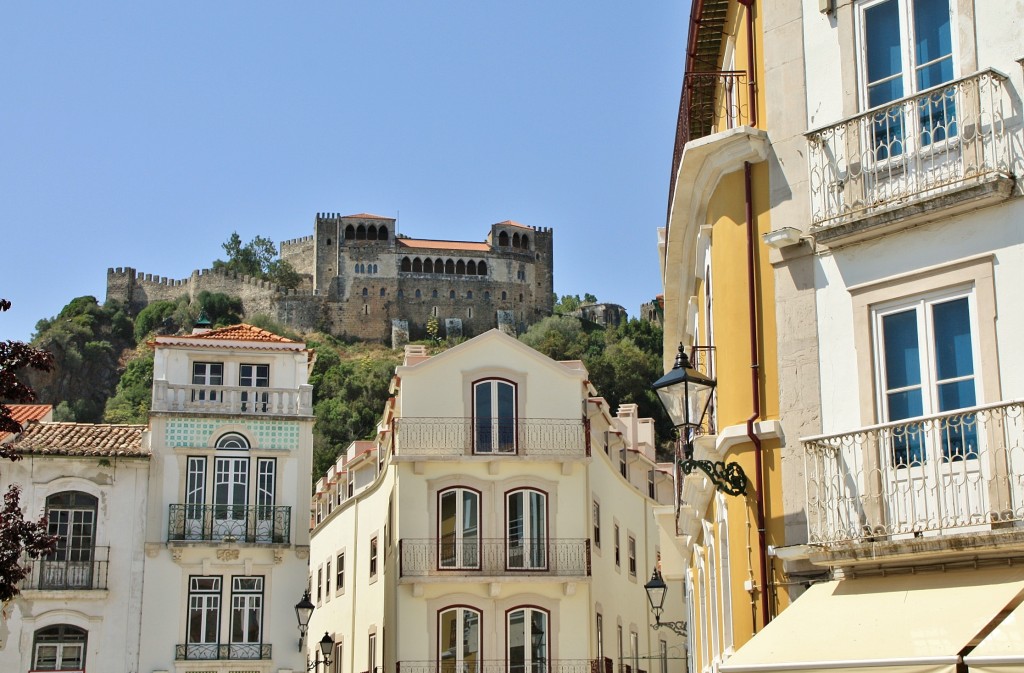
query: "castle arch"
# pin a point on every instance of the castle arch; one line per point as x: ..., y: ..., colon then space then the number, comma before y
x: 438, y: 266
x: 449, y: 267
x: 360, y: 233
x: 460, y: 268
x: 328, y: 241
x: 504, y: 295
x: 471, y: 268
x: 383, y: 292
x: 469, y: 294
x: 503, y: 239
x: 515, y: 240
x: 481, y: 269
x: 374, y: 269
x: 427, y: 266
x: 382, y: 234
x: 487, y: 295
x: 451, y: 294
x: 366, y: 292
x: 406, y: 264
x: 433, y: 295
x: 418, y: 294
x: 350, y: 233
x: 525, y: 242
x: 371, y: 233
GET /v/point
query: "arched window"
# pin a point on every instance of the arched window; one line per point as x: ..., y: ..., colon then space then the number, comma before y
x: 458, y: 528
x: 503, y: 239
x: 71, y: 517
x: 371, y: 233
x: 406, y: 264
x: 59, y: 648
x: 515, y: 240
x: 449, y: 267
x: 401, y: 294
x: 460, y: 268
x: 458, y: 639
x: 417, y: 265
x: 350, y: 233
x: 433, y: 294
x: 525, y: 242
x: 451, y: 294
x: 360, y: 233
x: 487, y: 295
x: 232, y: 440
x: 382, y: 233
x: 366, y: 292
x: 504, y: 295
x: 469, y: 294
x: 428, y: 266
x: 374, y: 269
x: 520, y: 296
x: 438, y: 266
x: 417, y: 294
x: 328, y: 241
x: 494, y: 416
x: 526, y: 529
x: 471, y: 268
x: 527, y: 640
x: 481, y: 269
x: 383, y: 292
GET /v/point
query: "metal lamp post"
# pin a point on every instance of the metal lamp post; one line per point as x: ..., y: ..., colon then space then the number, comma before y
x: 656, y: 590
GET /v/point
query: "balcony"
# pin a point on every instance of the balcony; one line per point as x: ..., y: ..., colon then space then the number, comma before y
x: 933, y: 475
x: 54, y: 575
x: 504, y: 666
x: 229, y: 523
x: 232, y: 400
x: 932, y: 154
x: 203, y: 651
x: 493, y: 557
x: 455, y: 437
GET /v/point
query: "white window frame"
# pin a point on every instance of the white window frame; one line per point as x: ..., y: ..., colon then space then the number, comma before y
x: 462, y: 554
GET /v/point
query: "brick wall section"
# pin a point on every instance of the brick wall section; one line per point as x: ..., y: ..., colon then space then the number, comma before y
x: 338, y: 270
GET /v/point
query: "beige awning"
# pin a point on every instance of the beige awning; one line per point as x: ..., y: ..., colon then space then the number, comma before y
x: 1003, y: 649
x: 916, y: 623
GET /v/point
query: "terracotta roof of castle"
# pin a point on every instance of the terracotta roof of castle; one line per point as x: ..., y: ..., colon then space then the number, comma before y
x: 81, y: 439
x: 443, y: 245
x: 369, y: 216
x: 512, y: 223
x: 25, y: 413
x: 240, y: 332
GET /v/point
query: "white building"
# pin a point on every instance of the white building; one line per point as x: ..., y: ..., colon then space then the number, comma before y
x: 502, y: 520
x: 226, y: 536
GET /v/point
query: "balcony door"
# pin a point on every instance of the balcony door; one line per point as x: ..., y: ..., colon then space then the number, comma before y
x: 527, y: 633
x: 459, y: 529
x: 230, y: 497
x: 527, y: 535
x: 927, y: 368
x: 71, y: 517
x: 251, y: 378
x: 458, y: 647
x: 195, y: 498
x: 494, y: 417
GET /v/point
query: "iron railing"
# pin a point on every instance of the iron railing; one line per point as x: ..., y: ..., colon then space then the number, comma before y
x: 197, y: 651
x: 85, y: 574
x: 935, y: 474
x: 243, y: 523
x: 499, y: 666
x: 544, y: 437
x: 493, y: 557
x: 248, y: 401
x: 920, y: 146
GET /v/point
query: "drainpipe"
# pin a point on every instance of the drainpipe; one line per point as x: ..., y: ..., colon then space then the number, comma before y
x: 755, y: 389
x: 751, y: 85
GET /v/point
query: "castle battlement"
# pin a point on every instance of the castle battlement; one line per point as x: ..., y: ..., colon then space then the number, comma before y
x: 295, y: 241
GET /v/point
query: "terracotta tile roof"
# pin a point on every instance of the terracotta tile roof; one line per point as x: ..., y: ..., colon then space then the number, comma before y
x: 81, y: 439
x: 24, y: 413
x: 369, y: 216
x: 241, y: 332
x: 442, y: 245
x: 512, y: 223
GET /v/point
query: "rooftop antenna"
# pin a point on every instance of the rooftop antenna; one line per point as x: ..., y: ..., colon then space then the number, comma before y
x: 398, y: 214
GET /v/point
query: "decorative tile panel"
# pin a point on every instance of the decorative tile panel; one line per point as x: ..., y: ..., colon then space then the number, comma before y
x: 203, y: 432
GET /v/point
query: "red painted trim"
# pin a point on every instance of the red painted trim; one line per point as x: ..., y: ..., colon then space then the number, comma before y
x: 479, y: 524
x: 547, y: 634
x: 479, y: 631
x: 547, y: 527
x: 515, y: 411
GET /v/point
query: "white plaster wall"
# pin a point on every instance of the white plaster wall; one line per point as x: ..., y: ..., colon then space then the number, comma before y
x: 824, y: 84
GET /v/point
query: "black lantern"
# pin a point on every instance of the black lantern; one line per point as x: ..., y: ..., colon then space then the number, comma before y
x: 656, y: 590
x: 686, y: 395
x: 303, y: 611
x: 326, y: 646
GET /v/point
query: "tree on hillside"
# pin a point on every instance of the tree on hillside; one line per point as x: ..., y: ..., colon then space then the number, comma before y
x: 17, y: 536
x: 257, y: 258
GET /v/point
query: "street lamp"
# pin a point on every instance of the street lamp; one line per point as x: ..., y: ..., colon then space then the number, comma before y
x: 326, y: 646
x: 656, y: 590
x: 686, y: 395
x: 303, y: 611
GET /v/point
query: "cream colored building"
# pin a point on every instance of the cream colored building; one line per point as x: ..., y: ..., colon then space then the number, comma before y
x: 502, y: 520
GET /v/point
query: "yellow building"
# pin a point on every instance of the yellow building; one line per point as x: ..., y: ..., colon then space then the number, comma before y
x: 718, y: 292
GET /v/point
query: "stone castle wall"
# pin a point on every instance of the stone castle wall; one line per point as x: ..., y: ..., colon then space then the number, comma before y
x: 356, y: 288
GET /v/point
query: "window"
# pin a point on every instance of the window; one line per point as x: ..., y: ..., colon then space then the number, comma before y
x: 494, y: 417
x: 458, y: 640
x: 59, y: 648
x: 617, y: 549
x: 269, y: 526
x: 623, y: 466
x: 459, y: 529
x: 600, y: 638
x: 663, y: 656
x: 618, y: 637
x: 327, y: 580
x: 195, y: 499
x: 926, y: 360
x: 254, y: 376
x: 527, y: 638
x: 319, y: 585
x: 383, y: 291
x: 907, y: 47
x: 337, y: 658
x: 526, y: 513
x: 451, y: 294
x: 232, y: 440
x: 373, y: 557
x: 631, y: 551
x: 371, y: 653
x: 634, y: 650
x: 340, y: 569
x: 71, y: 516
x: 597, y: 524
x: 246, y: 617
x: 230, y: 497
x: 203, y: 618
x: 207, y: 374
x: 652, y: 492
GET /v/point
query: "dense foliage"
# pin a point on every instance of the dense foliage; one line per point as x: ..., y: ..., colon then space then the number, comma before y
x: 257, y: 258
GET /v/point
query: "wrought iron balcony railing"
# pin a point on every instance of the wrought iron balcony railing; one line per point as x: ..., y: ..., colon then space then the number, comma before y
x: 937, y: 474
x: 493, y: 557
x: 232, y: 399
x: 920, y: 146
x: 544, y: 437
x: 190, y: 651
x: 469, y: 665
x: 242, y: 523
x: 89, y: 571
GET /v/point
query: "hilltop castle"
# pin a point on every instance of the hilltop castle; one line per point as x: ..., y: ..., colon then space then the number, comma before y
x: 362, y: 280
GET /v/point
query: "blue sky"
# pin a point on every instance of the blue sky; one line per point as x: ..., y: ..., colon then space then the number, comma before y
x: 143, y: 133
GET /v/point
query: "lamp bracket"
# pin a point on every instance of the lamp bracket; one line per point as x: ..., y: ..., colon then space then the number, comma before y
x: 728, y: 478
x: 678, y: 628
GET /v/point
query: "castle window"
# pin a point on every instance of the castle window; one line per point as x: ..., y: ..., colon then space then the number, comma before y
x: 434, y: 311
x: 366, y: 309
x: 383, y: 292
x: 503, y: 239
x: 487, y: 295
x: 433, y: 295
x: 515, y: 241
x: 350, y: 233
x: 438, y: 266
x: 406, y: 264
x: 451, y: 294
x: 401, y: 294
x: 460, y: 268
x: 504, y: 295
x: 520, y: 296
x: 471, y: 268
x: 469, y: 312
x: 375, y: 268
x: 366, y: 292
x: 360, y: 233
x: 481, y: 269
x: 449, y: 267
x: 469, y: 294
x: 328, y: 241
x: 371, y: 233
x: 417, y: 294
x: 525, y: 242
x: 382, y: 234
x: 427, y: 267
